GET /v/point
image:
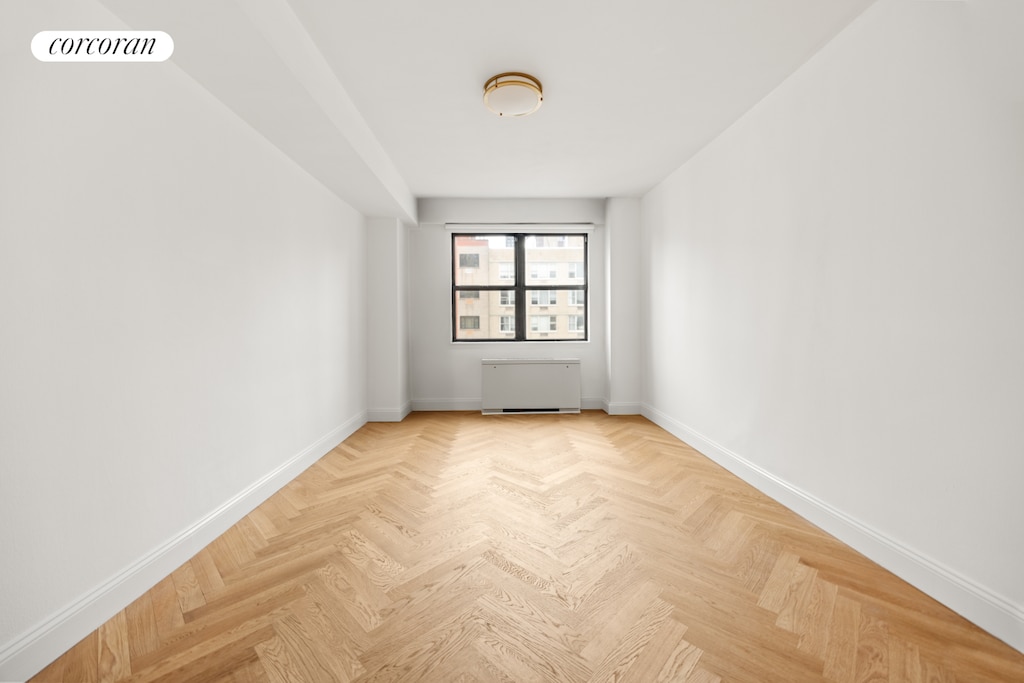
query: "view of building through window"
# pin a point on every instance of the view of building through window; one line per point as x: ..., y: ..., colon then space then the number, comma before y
x: 519, y: 287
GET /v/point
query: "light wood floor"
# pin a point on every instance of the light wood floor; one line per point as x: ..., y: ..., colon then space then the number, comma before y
x: 457, y: 547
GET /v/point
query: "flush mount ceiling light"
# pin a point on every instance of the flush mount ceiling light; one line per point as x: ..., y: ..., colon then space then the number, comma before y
x: 513, y: 94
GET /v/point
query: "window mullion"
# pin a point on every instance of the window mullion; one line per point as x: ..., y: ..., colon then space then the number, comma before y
x: 520, y: 287
x: 586, y: 286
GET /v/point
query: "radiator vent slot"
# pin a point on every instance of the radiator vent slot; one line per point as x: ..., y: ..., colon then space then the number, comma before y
x: 535, y: 385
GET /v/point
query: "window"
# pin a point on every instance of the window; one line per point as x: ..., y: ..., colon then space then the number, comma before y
x: 509, y: 287
x: 543, y: 297
x: 543, y: 323
x: 543, y: 271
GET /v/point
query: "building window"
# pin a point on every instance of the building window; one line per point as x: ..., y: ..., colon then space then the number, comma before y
x: 543, y: 297
x: 526, y: 274
x: 543, y: 271
x: 543, y: 323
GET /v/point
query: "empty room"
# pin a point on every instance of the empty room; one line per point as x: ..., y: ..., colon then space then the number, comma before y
x: 671, y: 340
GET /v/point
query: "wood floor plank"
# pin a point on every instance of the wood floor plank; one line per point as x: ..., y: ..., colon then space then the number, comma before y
x: 620, y: 616
x: 904, y: 662
x: 535, y: 633
x: 212, y: 659
x: 777, y: 588
x: 872, y: 650
x: 794, y: 610
x: 466, y: 548
x: 301, y: 652
x: 113, y: 655
x: 813, y: 627
x: 843, y: 632
x: 143, y: 636
x: 667, y: 657
x: 617, y: 663
x: 703, y: 676
x: 249, y: 671
x: 207, y: 574
x: 186, y: 585
x: 166, y: 609
x: 326, y: 597
x: 427, y: 652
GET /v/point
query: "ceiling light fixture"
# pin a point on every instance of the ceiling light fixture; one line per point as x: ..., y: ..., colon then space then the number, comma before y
x: 513, y: 94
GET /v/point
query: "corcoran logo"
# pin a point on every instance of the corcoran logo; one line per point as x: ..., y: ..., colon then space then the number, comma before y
x: 102, y: 46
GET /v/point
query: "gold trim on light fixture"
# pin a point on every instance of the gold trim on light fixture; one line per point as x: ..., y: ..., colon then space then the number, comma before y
x: 518, y: 94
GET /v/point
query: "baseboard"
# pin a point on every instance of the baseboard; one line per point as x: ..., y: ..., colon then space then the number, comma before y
x: 26, y: 655
x: 993, y: 612
x: 389, y: 415
x: 442, y: 404
x: 619, y: 408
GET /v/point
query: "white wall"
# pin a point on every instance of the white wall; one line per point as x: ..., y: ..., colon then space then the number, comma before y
x: 387, y: 351
x: 833, y: 300
x: 445, y: 375
x: 182, y: 329
x: 622, y: 292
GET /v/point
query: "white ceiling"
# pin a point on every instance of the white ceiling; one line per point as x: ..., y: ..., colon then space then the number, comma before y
x: 631, y: 89
x: 392, y: 89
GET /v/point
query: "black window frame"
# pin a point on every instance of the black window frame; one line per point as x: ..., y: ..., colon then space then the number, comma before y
x: 521, y: 289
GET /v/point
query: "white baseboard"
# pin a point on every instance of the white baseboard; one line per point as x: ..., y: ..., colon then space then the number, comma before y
x: 619, y: 408
x: 29, y: 653
x: 389, y: 415
x: 441, y: 404
x: 993, y: 612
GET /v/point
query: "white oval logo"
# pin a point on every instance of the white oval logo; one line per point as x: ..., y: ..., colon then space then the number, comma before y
x: 102, y: 46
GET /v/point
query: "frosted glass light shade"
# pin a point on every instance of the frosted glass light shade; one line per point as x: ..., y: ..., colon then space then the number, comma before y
x: 513, y: 94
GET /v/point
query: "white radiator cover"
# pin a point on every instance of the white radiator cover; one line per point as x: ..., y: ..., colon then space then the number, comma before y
x: 530, y: 385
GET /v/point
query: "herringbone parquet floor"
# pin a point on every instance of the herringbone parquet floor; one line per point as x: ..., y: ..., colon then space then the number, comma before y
x: 458, y: 547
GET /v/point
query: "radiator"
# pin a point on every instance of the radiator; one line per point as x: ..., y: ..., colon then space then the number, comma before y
x: 541, y: 385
